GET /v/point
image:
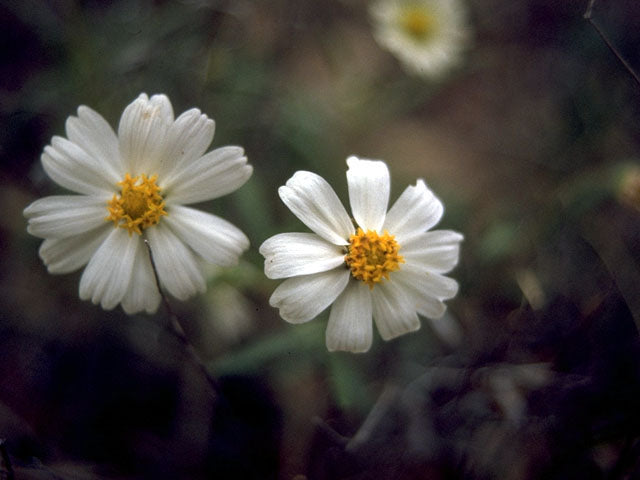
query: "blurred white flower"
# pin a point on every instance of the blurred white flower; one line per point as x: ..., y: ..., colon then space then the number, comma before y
x: 510, y: 384
x: 230, y: 315
x: 133, y: 186
x: 389, y: 268
x: 429, y: 37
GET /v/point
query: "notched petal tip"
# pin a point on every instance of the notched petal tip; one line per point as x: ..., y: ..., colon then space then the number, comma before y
x: 417, y: 210
x: 442, y: 287
x: 301, y: 178
x: 336, y: 345
x: 455, y: 288
x: 160, y: 98
x: 284, y: 191
x: 84, y: 110
x: 232, y: 150
x: 354, y: 162
x: 453, y: 237
x: 29, y: 211
x: 32, y: 231
x: 195, y: 118
x: 437, y: 309
x: 386, y: 336
x: 265, y: 247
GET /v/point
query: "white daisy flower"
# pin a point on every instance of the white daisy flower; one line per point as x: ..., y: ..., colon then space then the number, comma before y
x: 389, y: 267
x: 428, y: 36
x: 133, y: 186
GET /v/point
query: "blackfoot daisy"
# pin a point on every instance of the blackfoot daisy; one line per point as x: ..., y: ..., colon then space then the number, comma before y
x: 134, y: 186
x: 388, y: 266
x: 428, y: 36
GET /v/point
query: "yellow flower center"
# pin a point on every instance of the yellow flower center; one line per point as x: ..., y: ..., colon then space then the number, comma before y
x: 139, y: 204
x: 419, y: 23
x: 372, y: 257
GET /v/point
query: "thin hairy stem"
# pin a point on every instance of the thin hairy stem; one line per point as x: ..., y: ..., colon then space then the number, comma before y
x: 176, y: 327
x: 588, y: 15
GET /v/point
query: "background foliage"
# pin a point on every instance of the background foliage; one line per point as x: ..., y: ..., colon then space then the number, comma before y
x: 533, y: 373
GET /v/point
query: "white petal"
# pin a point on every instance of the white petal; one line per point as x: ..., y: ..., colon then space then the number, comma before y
x: 421, y: 284
x: 95, y: 136
x: 71, y: 167
x: 188, y: 138
x: 437, y: 251
x: 177, y: 266
x: 393, y: 311
x: 291, y: 254
x: 431, y: 308
x: 217, y: 173
x: 63, y: 216
x: 350, y: 327
x: 440, y: 286
x: 424, y: 303
x: 64, y: 255
x: 315, y: 203
x: 214, y: 239
x: 433, y: 284
x: 142, y: 133
x: 368, y: 192
x: 142, y: 293
x: 107, y: 276
x: 415, y: 211
x: 302, y: 298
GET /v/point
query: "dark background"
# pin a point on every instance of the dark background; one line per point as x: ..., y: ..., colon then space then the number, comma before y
x: 533, y: 373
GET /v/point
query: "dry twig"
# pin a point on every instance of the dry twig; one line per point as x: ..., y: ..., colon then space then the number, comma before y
x: 588, y: 15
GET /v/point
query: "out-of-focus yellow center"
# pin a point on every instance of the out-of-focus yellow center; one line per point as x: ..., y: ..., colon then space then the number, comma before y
x: 372, y: 257
x: 418, y: 22
x: 139, y: 204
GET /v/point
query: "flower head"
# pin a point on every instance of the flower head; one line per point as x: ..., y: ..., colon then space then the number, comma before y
x: 388, y: 266
x: 427, y: 36
x: 132, y: 187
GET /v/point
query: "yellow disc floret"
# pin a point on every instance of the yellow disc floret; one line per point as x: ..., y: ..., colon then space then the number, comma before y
x: 417, y: 22
x: 372, y: 257
x: 139, y: 204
